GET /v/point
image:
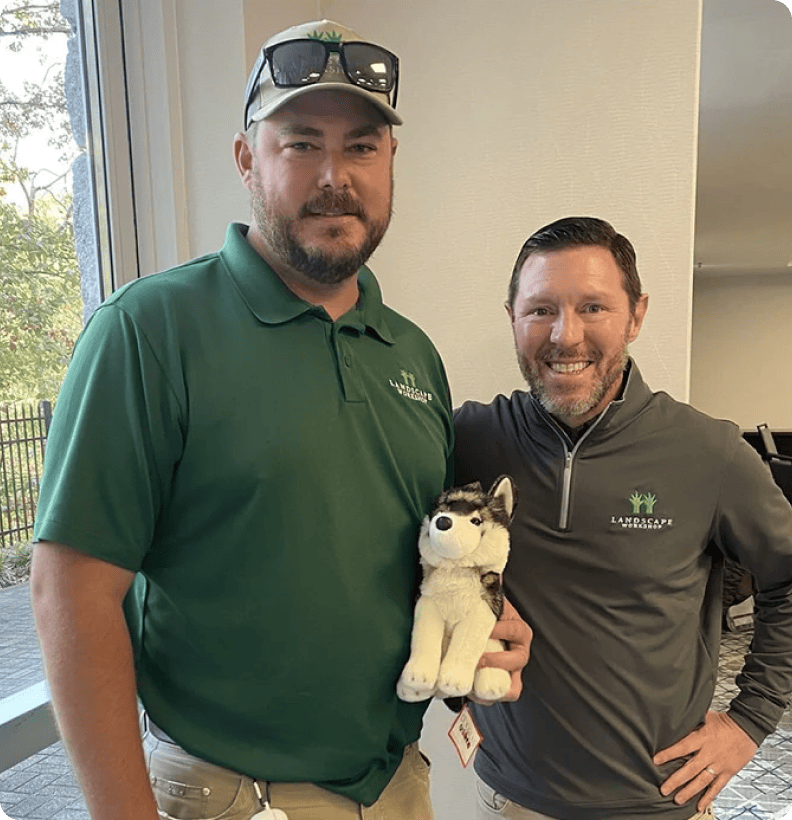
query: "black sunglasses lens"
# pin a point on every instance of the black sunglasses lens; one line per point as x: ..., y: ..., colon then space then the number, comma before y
x: 301, y: 62
x: 369, y: 66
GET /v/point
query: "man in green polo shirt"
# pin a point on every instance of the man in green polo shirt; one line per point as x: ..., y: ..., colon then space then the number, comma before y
x: 240, y: 457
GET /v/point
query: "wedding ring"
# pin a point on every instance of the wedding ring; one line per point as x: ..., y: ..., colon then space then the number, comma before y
x: 710, y: 770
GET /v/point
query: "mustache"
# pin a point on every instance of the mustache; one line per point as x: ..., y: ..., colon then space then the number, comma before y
x: 558, y: 354
x: 334, y: 203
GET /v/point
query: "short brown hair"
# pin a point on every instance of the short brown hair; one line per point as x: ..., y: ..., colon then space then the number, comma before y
x: 579, y: 231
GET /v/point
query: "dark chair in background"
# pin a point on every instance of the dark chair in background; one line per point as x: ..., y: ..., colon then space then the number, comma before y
x: 737, y: 581
x: 780, y: 464
x: 738, y: 590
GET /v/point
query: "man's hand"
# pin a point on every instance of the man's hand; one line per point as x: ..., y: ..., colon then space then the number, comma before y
x: 719, y: 749
x: 517, y: 634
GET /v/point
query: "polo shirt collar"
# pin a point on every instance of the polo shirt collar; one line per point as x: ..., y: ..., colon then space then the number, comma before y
x: 272, y: 303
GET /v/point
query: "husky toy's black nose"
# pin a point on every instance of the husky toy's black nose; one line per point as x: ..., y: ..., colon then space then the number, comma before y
x: 444, y: 523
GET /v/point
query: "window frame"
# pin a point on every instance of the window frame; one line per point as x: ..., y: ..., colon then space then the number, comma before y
x: 101, y: 43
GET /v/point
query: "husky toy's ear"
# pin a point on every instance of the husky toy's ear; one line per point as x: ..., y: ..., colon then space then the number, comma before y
x: 505, y: 490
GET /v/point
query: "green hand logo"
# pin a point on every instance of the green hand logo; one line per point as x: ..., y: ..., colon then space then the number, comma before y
x: 409, y: 378
x: 639, y: 500
x: 636, y: 499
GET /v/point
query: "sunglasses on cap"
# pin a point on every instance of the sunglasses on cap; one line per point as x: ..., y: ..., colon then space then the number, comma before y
x: 297, y: 63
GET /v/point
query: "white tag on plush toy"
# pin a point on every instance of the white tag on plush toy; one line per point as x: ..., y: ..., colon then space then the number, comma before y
x: 465, y: 735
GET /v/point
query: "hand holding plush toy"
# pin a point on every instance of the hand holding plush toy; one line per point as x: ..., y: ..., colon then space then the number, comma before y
x: 464, y: 544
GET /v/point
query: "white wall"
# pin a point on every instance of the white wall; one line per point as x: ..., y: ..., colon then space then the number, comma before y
x: 588, y: 108
x: 741, y: 368
x: 186, y: 75
x: 212, y: 77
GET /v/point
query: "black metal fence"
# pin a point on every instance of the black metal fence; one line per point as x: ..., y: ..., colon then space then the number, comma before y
x: 23, y: 434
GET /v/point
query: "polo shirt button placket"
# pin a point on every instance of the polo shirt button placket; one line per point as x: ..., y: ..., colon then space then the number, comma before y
x: 352, y: 389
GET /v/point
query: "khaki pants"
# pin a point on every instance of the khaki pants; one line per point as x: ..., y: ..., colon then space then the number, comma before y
x: 188, y: 788
x: 490, y: 805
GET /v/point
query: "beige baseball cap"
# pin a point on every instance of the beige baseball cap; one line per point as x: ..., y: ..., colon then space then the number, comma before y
x: 372, y: 67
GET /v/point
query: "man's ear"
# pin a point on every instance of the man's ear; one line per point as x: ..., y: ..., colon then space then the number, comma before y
x: 243, y: 158
x: 394, y: 146
x: 509, y: 311
x: 641, y: 306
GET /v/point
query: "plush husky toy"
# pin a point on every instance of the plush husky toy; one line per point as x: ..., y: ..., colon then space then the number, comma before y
x: 464, y: 544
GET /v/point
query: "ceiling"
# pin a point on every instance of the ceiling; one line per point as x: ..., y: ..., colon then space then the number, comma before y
x: 744, y: 185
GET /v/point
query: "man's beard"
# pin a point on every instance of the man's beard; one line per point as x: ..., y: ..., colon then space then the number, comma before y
x: 316, y: 264
x: 557, y: 404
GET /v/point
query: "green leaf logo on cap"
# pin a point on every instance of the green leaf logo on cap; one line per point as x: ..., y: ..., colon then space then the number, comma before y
x: 327, y: 36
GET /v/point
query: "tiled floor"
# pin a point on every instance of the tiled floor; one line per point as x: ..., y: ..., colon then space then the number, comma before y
x: 20, y: 659
x: 42, y: 787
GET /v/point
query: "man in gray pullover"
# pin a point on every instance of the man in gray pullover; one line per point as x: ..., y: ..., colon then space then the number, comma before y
x: 629, y: 503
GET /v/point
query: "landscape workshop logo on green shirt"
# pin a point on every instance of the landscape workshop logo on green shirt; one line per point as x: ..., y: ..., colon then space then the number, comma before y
x: 642, y: 503
x: 407, y: 388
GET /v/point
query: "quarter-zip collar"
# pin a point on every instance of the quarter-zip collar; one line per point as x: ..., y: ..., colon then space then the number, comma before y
x: 619, y: 413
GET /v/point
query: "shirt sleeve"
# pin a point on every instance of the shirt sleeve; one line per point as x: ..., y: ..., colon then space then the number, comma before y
x: 754, y: 527
x: 115, y: 440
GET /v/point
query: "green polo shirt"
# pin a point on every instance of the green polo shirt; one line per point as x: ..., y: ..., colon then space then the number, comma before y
x: 264, y: 470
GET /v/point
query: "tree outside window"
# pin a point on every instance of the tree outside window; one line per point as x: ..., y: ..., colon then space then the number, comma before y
x: 41, y: 309
x: 40, y: 301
